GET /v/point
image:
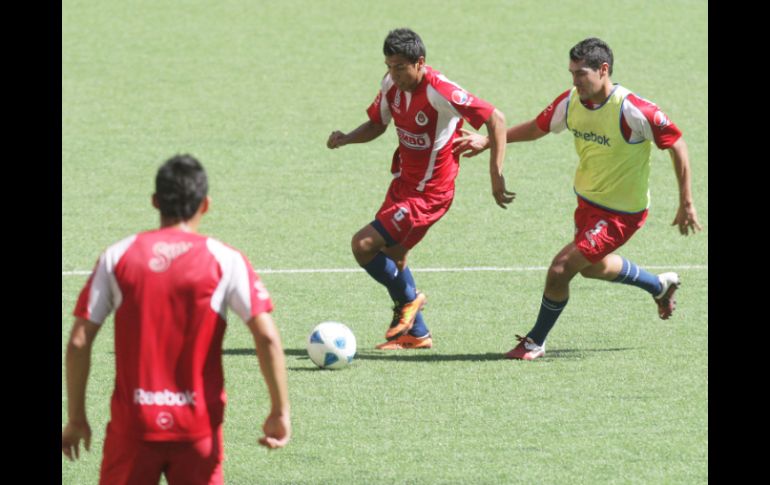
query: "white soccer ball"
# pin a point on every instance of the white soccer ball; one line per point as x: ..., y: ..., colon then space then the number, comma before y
x: 331, y: 345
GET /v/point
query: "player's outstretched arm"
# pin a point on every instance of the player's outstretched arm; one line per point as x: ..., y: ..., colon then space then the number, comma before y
x: 367, y: 131
x: 277, y: 426
x: 496, y: 134
x: 78, y: 365
x: 471, y: 144
x: 686, y: 216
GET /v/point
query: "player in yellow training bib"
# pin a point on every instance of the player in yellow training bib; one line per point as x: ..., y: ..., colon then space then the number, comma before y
x: 613, y: 130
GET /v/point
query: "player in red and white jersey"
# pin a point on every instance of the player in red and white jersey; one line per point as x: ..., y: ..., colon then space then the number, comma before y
x: 428, y: 111
x: 613, y: 130
x: 171, y: 289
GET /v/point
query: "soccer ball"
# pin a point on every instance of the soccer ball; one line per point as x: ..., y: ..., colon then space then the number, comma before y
x: 331, y: 345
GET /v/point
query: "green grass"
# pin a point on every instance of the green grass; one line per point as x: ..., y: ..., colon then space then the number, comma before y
x: 254, y: 88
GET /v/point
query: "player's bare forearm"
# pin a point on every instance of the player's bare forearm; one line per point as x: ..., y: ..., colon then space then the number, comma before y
x: 366, y: 132
x: 271, y: 361
x: 78, y: 366
x: 681, y: 159
x: 496, y: 134
x: 526, y: 131
x: 277, y: 426
x: 686, y: 216
x: 471, y: 144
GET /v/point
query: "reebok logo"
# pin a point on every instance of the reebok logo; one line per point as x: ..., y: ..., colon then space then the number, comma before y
x: 165, y: 252
x: 163, y: 398
x: 593, y: 137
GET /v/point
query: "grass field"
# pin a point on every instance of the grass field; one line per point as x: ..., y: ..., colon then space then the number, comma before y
x: 253, y: 90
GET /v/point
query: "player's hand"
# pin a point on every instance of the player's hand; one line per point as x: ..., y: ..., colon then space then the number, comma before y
x: 277, y: 430
x: 71, y: 436
x: 335, y: 139
x: 502, y: 196
x: 472, y: 143
x: 687, y: 219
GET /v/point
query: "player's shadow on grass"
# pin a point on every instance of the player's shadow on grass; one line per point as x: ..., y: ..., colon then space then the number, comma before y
x: 577, y: 354
x: 433, y: 356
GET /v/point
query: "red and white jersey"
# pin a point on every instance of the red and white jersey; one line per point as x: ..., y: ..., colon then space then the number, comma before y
x: 640, y: 120
x: 170, y: 290
x: 427, y: 121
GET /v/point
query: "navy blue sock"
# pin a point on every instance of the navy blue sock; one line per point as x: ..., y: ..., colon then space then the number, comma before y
x: 410, y: 288
x: 632, y: 274
x: 546, y: 319
x: 419, y: 329
x: 382, y: 268
x: 400, y: 284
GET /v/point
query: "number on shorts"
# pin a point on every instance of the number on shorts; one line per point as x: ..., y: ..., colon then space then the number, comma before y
x: 596, y: 230
x: 400, y: 214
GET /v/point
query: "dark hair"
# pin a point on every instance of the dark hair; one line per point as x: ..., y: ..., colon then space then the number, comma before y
x: 405, y: 42
x: 180, y: 186
x: 594, y: 51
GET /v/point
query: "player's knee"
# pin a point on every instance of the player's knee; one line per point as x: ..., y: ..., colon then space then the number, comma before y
x: 361, y: 246
x: 557, y: 272
x: 356, y: 245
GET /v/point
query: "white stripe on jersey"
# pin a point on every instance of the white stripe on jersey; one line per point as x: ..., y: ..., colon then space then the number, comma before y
x: 104, y: 294
x: 387, y: 83
x: 428, y: 172
x: 559, y: 118
x: 233, y: 289
x: 444, y: 78
x: 639, y: 124
x: 448, y: 118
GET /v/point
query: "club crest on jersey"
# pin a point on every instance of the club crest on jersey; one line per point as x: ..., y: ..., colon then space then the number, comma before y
x: 397, y: 99
x: 421, y: 118
x: 164, y: 253
x: 460, y: 97
x: 660, y: 119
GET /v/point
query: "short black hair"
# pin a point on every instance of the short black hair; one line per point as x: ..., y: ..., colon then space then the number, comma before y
x: 593, y: 51
x: 405, y: 42
x: 180, y: 187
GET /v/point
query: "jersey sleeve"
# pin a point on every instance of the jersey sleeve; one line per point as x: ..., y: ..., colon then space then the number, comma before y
x: 248, y: 295
x: 471, y: 108
x: 95, y: 299
x: 553, y: 119
x: 643, y: 120
x: 379, y: 111
x: 101, y: 293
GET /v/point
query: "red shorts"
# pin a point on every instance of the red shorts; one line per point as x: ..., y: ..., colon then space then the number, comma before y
x: 599, y: 232
x: 406, y: 215
x: 128, y: 460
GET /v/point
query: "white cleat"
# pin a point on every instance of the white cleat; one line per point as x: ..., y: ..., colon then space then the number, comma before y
x: 669, y: 283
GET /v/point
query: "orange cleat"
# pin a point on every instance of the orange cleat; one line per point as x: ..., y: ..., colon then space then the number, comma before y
x: 407, y: 342
x: 404, y: 315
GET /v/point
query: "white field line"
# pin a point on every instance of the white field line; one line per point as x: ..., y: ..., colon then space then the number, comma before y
x: 503, y: 269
